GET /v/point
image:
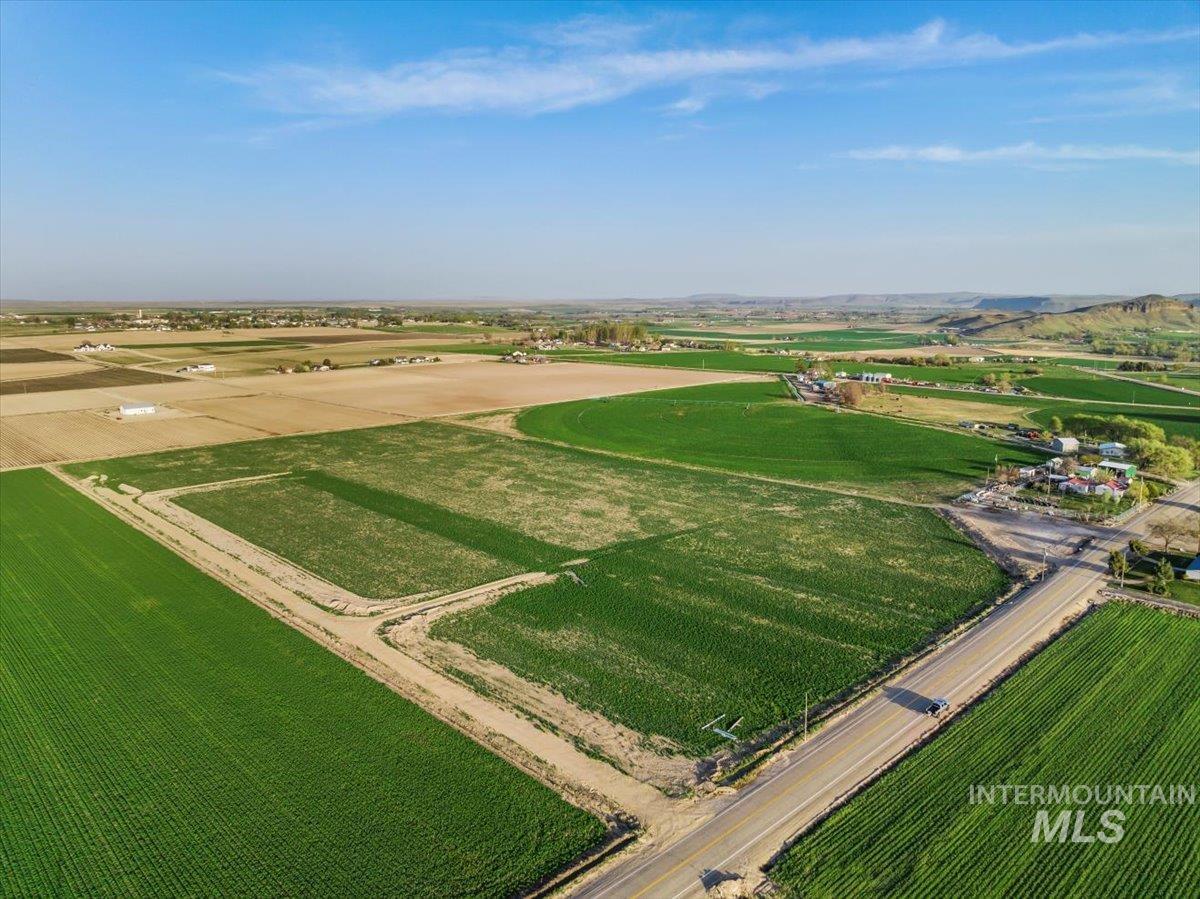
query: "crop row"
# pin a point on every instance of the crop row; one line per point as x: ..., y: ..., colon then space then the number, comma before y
x: 163, y: 736
x: 1116, y: 701
x: 743, y: 617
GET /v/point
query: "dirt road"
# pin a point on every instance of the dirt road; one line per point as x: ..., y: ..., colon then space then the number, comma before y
x: 750, y: 828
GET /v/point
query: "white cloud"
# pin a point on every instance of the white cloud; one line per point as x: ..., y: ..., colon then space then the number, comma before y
x: 593, y: 60
x: 1026, y: 153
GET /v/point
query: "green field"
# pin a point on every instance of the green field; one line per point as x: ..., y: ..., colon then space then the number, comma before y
x: 741, y: 617
x: 753, y: 428
x: 1115, y: 701
x: 1173, y: 420
x: 791, y: 577
x: 164, y: 736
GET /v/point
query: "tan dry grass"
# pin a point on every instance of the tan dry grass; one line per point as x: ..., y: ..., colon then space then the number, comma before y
x: 940, y: 410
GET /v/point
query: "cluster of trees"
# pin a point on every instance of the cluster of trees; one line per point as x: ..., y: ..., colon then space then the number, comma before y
x: 1177, y: 352
x: 609, y: 332
x: 938, y: 339
x: 308, y: 365
x: 1141, y: 365
x: 1151, y: 449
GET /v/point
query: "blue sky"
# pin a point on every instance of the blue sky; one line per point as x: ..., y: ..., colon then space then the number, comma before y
x: 529, y: 150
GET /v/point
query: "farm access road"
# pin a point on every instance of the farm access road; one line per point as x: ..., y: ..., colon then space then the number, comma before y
x: 751, y: 827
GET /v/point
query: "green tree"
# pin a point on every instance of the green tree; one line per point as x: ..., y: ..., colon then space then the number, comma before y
x: 1138, y: 547
x: 1056, y: 424
x: 1118, y: 564
x: 1163, y: 575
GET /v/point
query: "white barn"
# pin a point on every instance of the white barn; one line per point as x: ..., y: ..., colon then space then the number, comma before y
x: 138, y: 408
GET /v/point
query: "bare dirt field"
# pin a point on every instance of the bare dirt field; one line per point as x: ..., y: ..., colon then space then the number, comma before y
x: 109, y: 397
x: 29, y: 354
x: 77, y: 424
x: 259, y: 360
x: 67, y: 342
x: 449, y: 389
x: 287, y: 414
x: 94, y: 434
x: 17, y: 371
x: 90, y: 377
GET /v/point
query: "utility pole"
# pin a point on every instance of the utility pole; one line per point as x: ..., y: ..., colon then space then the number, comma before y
x: 805, y: 716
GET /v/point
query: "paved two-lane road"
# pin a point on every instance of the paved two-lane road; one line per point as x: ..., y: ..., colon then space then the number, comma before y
x: 749, y: 828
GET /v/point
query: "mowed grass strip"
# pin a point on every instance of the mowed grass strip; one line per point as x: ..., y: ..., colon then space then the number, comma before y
x: 486, y: 536
x: 1115, y: 701
x: 378, y: 555
x: 745, y: 428
x: 742, y: 617
x: 164, y: 736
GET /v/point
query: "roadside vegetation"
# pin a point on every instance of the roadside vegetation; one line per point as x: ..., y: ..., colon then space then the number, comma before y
x: 146, y: 706
x: 1115, y: 701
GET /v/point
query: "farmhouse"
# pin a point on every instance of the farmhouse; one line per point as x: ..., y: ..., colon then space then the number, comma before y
x: 1114, y: 449
x: 138, y: 409
x: 1064, y: 445
x: 88, y: 347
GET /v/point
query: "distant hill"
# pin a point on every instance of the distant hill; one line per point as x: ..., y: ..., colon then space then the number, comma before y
x: 1014, y: 304
x: 1149, y: 313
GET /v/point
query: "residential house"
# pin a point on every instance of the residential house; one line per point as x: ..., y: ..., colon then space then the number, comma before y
x: 1064, y: 445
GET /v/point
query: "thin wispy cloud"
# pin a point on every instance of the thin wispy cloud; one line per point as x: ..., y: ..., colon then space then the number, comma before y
x: 1028, y: 153
x: 1122, y: 94
x: 595, y: 60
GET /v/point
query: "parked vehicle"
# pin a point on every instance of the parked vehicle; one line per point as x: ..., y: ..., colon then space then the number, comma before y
x: 937, y: 707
